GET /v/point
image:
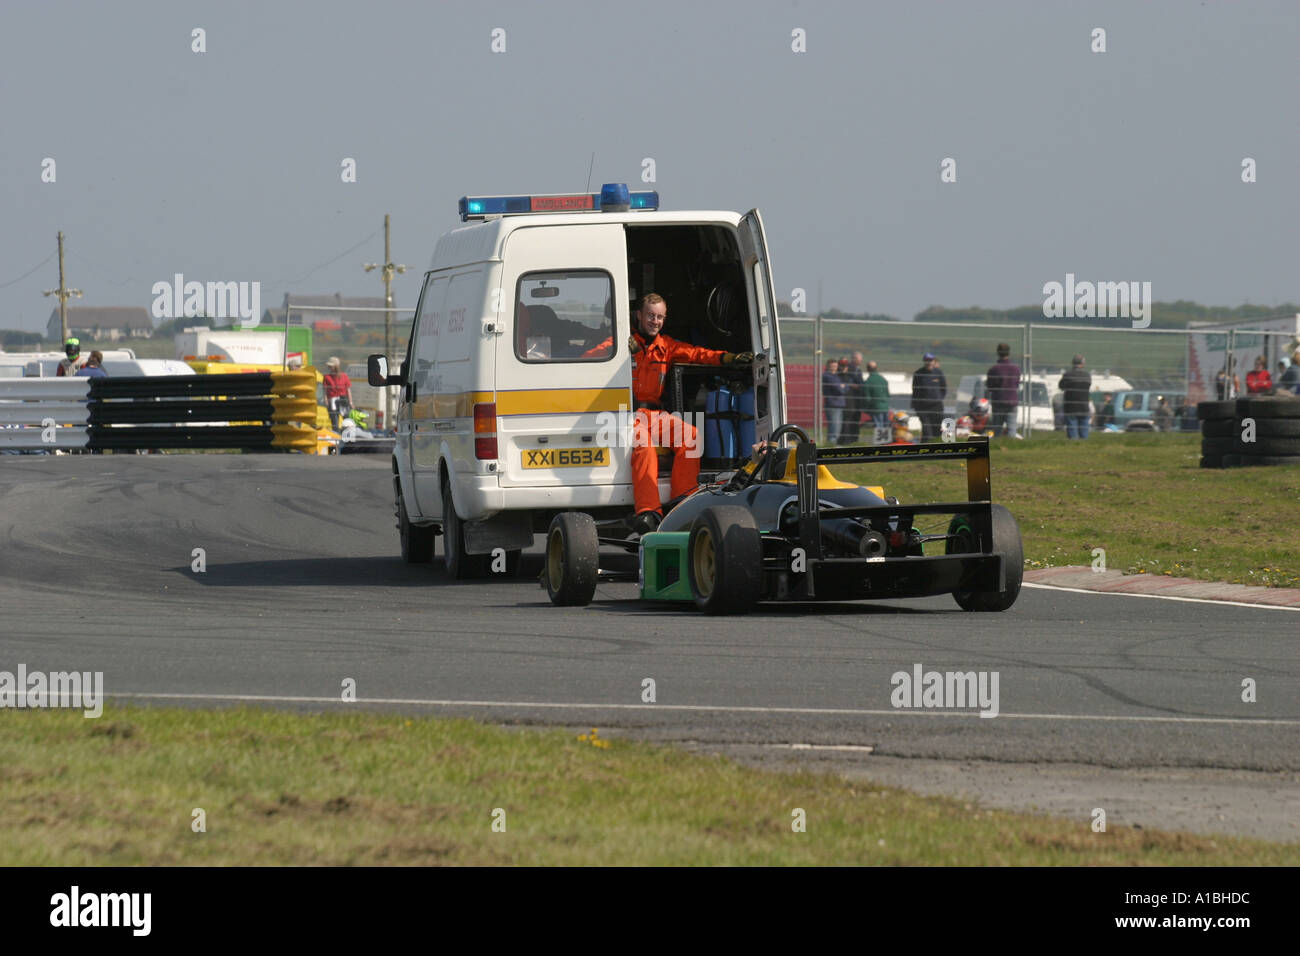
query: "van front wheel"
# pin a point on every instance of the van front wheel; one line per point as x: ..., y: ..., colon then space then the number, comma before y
x: 459, y: 563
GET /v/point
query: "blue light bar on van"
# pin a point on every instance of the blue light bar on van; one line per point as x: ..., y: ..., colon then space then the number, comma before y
x: 613, y: 197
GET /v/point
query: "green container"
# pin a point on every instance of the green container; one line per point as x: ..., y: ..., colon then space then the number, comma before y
x: 663, y: 566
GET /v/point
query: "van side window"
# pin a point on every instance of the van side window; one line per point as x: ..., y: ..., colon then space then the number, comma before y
x: 565, y: 317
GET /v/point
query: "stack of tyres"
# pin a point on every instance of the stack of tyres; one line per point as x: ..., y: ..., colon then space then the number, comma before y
x: 1220, y: 436
x: 1259, y: 430
x: 1274, y: 438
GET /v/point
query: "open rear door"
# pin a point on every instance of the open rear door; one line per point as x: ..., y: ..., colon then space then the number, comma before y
x: 758, y: 272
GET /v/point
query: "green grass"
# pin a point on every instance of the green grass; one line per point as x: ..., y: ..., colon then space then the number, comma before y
x: 1141, y: 497
x: 366, y: 788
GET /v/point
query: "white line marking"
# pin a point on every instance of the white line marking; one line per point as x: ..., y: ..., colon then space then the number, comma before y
x: 1162, y: 597
x: 707, y: 708
x: 858, y: 748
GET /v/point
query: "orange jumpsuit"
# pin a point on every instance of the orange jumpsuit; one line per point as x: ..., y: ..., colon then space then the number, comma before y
x: 649, y: 370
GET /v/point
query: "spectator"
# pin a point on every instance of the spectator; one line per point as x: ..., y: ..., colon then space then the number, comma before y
x: 1227, y: 375
x: 854, y: 399
x: 337, y: 386
x: 94, y: 367
x: 929, y: 387
x: 72, y: 364
x: 1258, y: 381
x: 1003, y: 386
x: 1106, y: 414
x: 1075, y: 386
x: 876, y: 398
x: 833, y: 400
x: 1164, y: 415
x: 1290, y: 379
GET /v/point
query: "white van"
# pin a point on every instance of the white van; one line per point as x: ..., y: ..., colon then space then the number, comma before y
x: 1044, y: 392
x: 516, y: 392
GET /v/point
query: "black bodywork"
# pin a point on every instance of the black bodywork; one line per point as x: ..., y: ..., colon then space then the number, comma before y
x: 848, y: 543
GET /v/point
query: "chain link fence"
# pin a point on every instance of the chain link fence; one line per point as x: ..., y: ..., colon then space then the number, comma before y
x: 1131, y: 369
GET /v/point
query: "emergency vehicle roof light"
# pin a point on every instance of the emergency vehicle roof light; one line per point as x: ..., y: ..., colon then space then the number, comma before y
x: 613, y: 197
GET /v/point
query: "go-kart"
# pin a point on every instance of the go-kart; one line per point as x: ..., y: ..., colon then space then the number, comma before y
x: 783, y: 528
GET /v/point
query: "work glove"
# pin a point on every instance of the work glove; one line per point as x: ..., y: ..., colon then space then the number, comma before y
x: 737, y: 358
x: 633, y: 346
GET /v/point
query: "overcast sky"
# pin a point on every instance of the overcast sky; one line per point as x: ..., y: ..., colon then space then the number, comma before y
x: 226, y: 165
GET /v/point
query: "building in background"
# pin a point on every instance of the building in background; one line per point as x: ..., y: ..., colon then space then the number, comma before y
x: 114, y: 322
x: 316, y: 312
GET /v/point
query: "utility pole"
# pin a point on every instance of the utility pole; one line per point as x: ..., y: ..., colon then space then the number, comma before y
x: 389, y: 268
x: 64, y: 294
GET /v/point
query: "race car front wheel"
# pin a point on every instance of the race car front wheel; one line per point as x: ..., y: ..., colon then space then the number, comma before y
x: 725, y: 561
x: 1006, y: 544
x: 572, y: 559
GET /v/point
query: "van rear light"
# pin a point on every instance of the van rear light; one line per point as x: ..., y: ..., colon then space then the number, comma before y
x: 485, y: 431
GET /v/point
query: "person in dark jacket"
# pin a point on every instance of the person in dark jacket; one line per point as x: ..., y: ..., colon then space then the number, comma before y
x: 929, y: 387
x: 1076, y: 388
x: 854, y: 399
x: 833, y: 389
x: 1003, y: 386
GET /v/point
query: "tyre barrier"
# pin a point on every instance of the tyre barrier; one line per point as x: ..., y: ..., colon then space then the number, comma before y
x: 258, y: 411
x: 1245, y: 432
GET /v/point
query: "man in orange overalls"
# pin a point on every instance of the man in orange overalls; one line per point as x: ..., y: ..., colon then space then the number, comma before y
x: 652, y: 356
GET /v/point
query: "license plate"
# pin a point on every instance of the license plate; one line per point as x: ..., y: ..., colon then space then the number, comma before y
x: 565, y: 457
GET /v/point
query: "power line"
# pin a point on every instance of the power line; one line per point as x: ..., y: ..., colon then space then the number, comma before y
x: 329, y: 262
x: 5, y: 285
x: 102, y: 274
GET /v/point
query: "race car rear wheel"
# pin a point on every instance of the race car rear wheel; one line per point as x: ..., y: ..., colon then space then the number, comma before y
x: 1006, y: 544
x: 725, y: 561
x: 572, y: 559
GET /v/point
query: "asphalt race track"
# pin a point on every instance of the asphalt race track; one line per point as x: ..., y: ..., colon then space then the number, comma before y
x: 1105, y: 700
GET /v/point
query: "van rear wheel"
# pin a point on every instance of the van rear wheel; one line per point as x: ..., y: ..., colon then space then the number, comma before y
x: 460, y: 564
x: 417, y: 543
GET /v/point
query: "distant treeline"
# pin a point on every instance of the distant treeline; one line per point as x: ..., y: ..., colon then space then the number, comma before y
x: 1165, y: 315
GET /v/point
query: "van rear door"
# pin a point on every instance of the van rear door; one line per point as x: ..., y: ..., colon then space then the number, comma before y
x: 564, y: 375
x: 758, y: 270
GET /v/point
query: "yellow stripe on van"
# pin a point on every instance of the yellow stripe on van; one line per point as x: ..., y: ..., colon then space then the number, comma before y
x: 524, y: 401
x: 551, y: 401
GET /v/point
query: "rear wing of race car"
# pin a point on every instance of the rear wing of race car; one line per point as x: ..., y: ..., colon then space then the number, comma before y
x: 978, y: 506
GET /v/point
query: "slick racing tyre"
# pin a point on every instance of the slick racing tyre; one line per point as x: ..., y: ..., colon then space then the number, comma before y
x: 1007, y: 544
x: 724, y: 559
x: 572, y: 559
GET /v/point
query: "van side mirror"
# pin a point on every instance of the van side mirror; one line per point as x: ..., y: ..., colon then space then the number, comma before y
x: 377, y: 372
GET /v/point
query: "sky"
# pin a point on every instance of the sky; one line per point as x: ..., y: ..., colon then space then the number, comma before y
x: 226, y: 165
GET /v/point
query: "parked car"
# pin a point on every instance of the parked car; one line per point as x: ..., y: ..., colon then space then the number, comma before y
x: 1140, y: 405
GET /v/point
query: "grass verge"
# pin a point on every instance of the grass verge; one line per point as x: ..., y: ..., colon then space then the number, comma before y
x: 367, y: 788
x: 1142, y: 498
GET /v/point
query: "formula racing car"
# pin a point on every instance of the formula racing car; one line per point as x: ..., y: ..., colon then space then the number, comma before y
x: 783, y: 528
